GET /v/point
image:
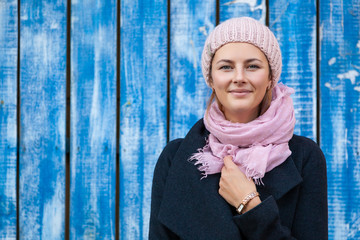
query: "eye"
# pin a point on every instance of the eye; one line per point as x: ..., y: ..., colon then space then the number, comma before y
x: 253, y: 66
x: 225, y: 67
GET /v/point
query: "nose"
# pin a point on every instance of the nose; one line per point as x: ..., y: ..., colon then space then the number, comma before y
x: 239, y: 76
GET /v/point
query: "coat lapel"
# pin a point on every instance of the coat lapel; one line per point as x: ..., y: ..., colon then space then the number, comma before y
x: 280, y: 180
x: 191, y: 207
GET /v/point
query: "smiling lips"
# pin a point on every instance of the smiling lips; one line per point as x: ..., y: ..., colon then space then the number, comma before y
x: 239, y: 92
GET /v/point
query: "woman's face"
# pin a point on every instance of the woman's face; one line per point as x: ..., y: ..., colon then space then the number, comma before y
x: 240, y: 77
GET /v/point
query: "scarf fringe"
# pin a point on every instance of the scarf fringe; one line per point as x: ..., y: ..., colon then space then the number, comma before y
x: 200, y: 160
x: 254, y: 175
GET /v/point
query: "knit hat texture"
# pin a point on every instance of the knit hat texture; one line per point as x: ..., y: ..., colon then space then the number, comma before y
x: 247, y: 30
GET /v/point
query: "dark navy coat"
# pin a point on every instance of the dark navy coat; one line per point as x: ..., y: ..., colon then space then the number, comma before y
x: 184, y: 206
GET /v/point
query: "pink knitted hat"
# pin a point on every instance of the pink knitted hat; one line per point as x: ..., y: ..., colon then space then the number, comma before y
x: 246, y: 30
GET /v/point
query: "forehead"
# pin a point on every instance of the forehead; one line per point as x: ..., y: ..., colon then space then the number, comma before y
x: 239, y: 51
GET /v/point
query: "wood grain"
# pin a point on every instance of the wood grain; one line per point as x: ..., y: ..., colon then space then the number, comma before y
x: 143, y: 105
x: 93, y: 119
x: 340, y: 113
x: 297, y: 39
x: 243, y: 8
x: 42, y: 111
x: 8, y: 117
x: 190, y: 23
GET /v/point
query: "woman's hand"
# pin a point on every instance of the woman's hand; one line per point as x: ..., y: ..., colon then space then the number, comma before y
x: 235, y: 186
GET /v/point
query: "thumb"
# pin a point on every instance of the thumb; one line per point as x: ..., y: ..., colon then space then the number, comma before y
x: 228, y: 160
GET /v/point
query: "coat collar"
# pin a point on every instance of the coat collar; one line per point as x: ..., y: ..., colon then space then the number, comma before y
x: 208, y: 208
x: 280, y: 180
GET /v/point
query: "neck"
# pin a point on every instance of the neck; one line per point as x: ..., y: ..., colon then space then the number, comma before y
x: 241, y: 117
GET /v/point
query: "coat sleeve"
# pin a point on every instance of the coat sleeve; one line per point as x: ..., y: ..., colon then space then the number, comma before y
x: 157, y: 230
x: 311, y: 216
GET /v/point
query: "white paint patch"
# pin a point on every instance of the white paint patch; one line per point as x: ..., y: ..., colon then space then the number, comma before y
x: 331, y: 9
x: 54, y: 25
x: 203, y: 30
x: 357, y: 67
x: 352, y: 74
x: 194, y: 53
x: 354, y: 229
x: 41, y: 43
x: 251, y: 3
x: 53, y: 217
x: 321, y: 30
x: 346, y: 142
x: 357, y: 88
x: 358, y: 45
x: 96, y: 118
x: 340, y: 141
x: 24, y: 17
x: 328, y: 85
x: 339, y: 219
x: 332, y: 61
x: 182, y: 45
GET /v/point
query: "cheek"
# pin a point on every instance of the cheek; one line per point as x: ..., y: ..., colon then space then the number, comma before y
x: 261, y: 81
x: 220, y: 80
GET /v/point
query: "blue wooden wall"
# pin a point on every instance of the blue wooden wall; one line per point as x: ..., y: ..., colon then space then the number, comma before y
x: 91, y: 91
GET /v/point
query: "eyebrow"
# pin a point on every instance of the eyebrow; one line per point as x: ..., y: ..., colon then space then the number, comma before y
x: 230, y: 61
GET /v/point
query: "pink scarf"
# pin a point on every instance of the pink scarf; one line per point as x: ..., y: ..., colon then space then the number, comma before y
x: 256, y: 147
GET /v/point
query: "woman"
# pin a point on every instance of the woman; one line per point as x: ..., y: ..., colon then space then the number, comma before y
x: 240, y: 173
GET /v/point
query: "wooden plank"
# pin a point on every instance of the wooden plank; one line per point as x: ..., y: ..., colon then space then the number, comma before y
x: 93, y: 119
x: 190, y: 23
x: 297, y: 39
x: 340, y: 113
x: 8, y: 118
x: 241, y: 8
x: 42, y: 139
x: 143, y: 109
